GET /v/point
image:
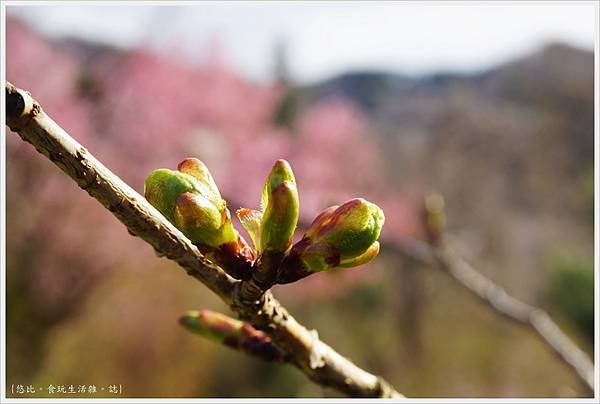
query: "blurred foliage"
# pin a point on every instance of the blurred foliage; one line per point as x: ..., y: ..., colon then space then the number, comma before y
x: 286, y: 112
x: 571, y: 290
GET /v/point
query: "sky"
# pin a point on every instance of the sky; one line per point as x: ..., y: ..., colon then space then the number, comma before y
x: 323, y: 38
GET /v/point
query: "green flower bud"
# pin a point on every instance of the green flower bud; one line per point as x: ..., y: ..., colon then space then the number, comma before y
x: 232, y: 333
x: 163, y: 186
x: 320, y: 257
x: 212, y: 325
x: 198, y: 170
x: 190, y: 199
x: 280, y: 208
x: 363, y: 258
x: 201, y: 222
x: 272, y: 228
x: 343, y: 236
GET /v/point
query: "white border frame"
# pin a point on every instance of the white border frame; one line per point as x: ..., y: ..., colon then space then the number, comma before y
x: 3, y: 375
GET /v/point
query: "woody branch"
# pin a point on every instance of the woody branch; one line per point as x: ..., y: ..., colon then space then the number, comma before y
x: 317, y: 360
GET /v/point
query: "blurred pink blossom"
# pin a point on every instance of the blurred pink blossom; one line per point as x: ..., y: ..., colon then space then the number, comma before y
x: 148, y: 111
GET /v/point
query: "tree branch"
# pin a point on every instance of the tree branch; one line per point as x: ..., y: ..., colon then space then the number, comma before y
x: 318, y: 361
x: 496, y: 298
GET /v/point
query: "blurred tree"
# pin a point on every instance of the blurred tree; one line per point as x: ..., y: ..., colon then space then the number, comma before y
x: 288, y: 108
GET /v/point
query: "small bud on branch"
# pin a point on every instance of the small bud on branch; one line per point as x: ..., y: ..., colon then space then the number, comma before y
x: 272, y: 228
x: 341, y: 236
x: 235, y: 334
x: 190, y: 199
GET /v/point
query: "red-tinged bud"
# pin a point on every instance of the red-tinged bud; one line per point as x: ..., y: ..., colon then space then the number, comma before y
x: 320, y: 221
x: 320, y: 257
x: 351, y: 229
x: 232, y: 333
x: 280, y: 209
x: 212, y: 325
x: 198, y: 170
x: 341, y: 236
x: 272, y: 228
x: 201, y: 222
x: 190, y: 199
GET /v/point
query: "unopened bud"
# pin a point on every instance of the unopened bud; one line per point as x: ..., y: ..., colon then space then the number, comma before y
x: 212, y: 325
x: 272, y: 228
x: 340, y: 236
x: 280, y: 208
x: 201, y: 222
x: 232, y: 333
x: 351, y: 228
x: 190, y: 199
x: 362, y: 259
x: 198, y: 170
x: 320, y: 257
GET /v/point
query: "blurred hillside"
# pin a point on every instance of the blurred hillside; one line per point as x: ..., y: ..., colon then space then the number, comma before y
x: 510, y: 148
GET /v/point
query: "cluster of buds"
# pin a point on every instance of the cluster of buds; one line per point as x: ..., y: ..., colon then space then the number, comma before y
x: 340, y: 237
x: 232, y: 333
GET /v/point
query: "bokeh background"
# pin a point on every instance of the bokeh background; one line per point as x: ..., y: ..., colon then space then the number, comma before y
x: 491, y: 105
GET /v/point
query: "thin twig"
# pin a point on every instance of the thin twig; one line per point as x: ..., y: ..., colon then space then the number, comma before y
x: 317, y: 360
x: 495, y: 297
